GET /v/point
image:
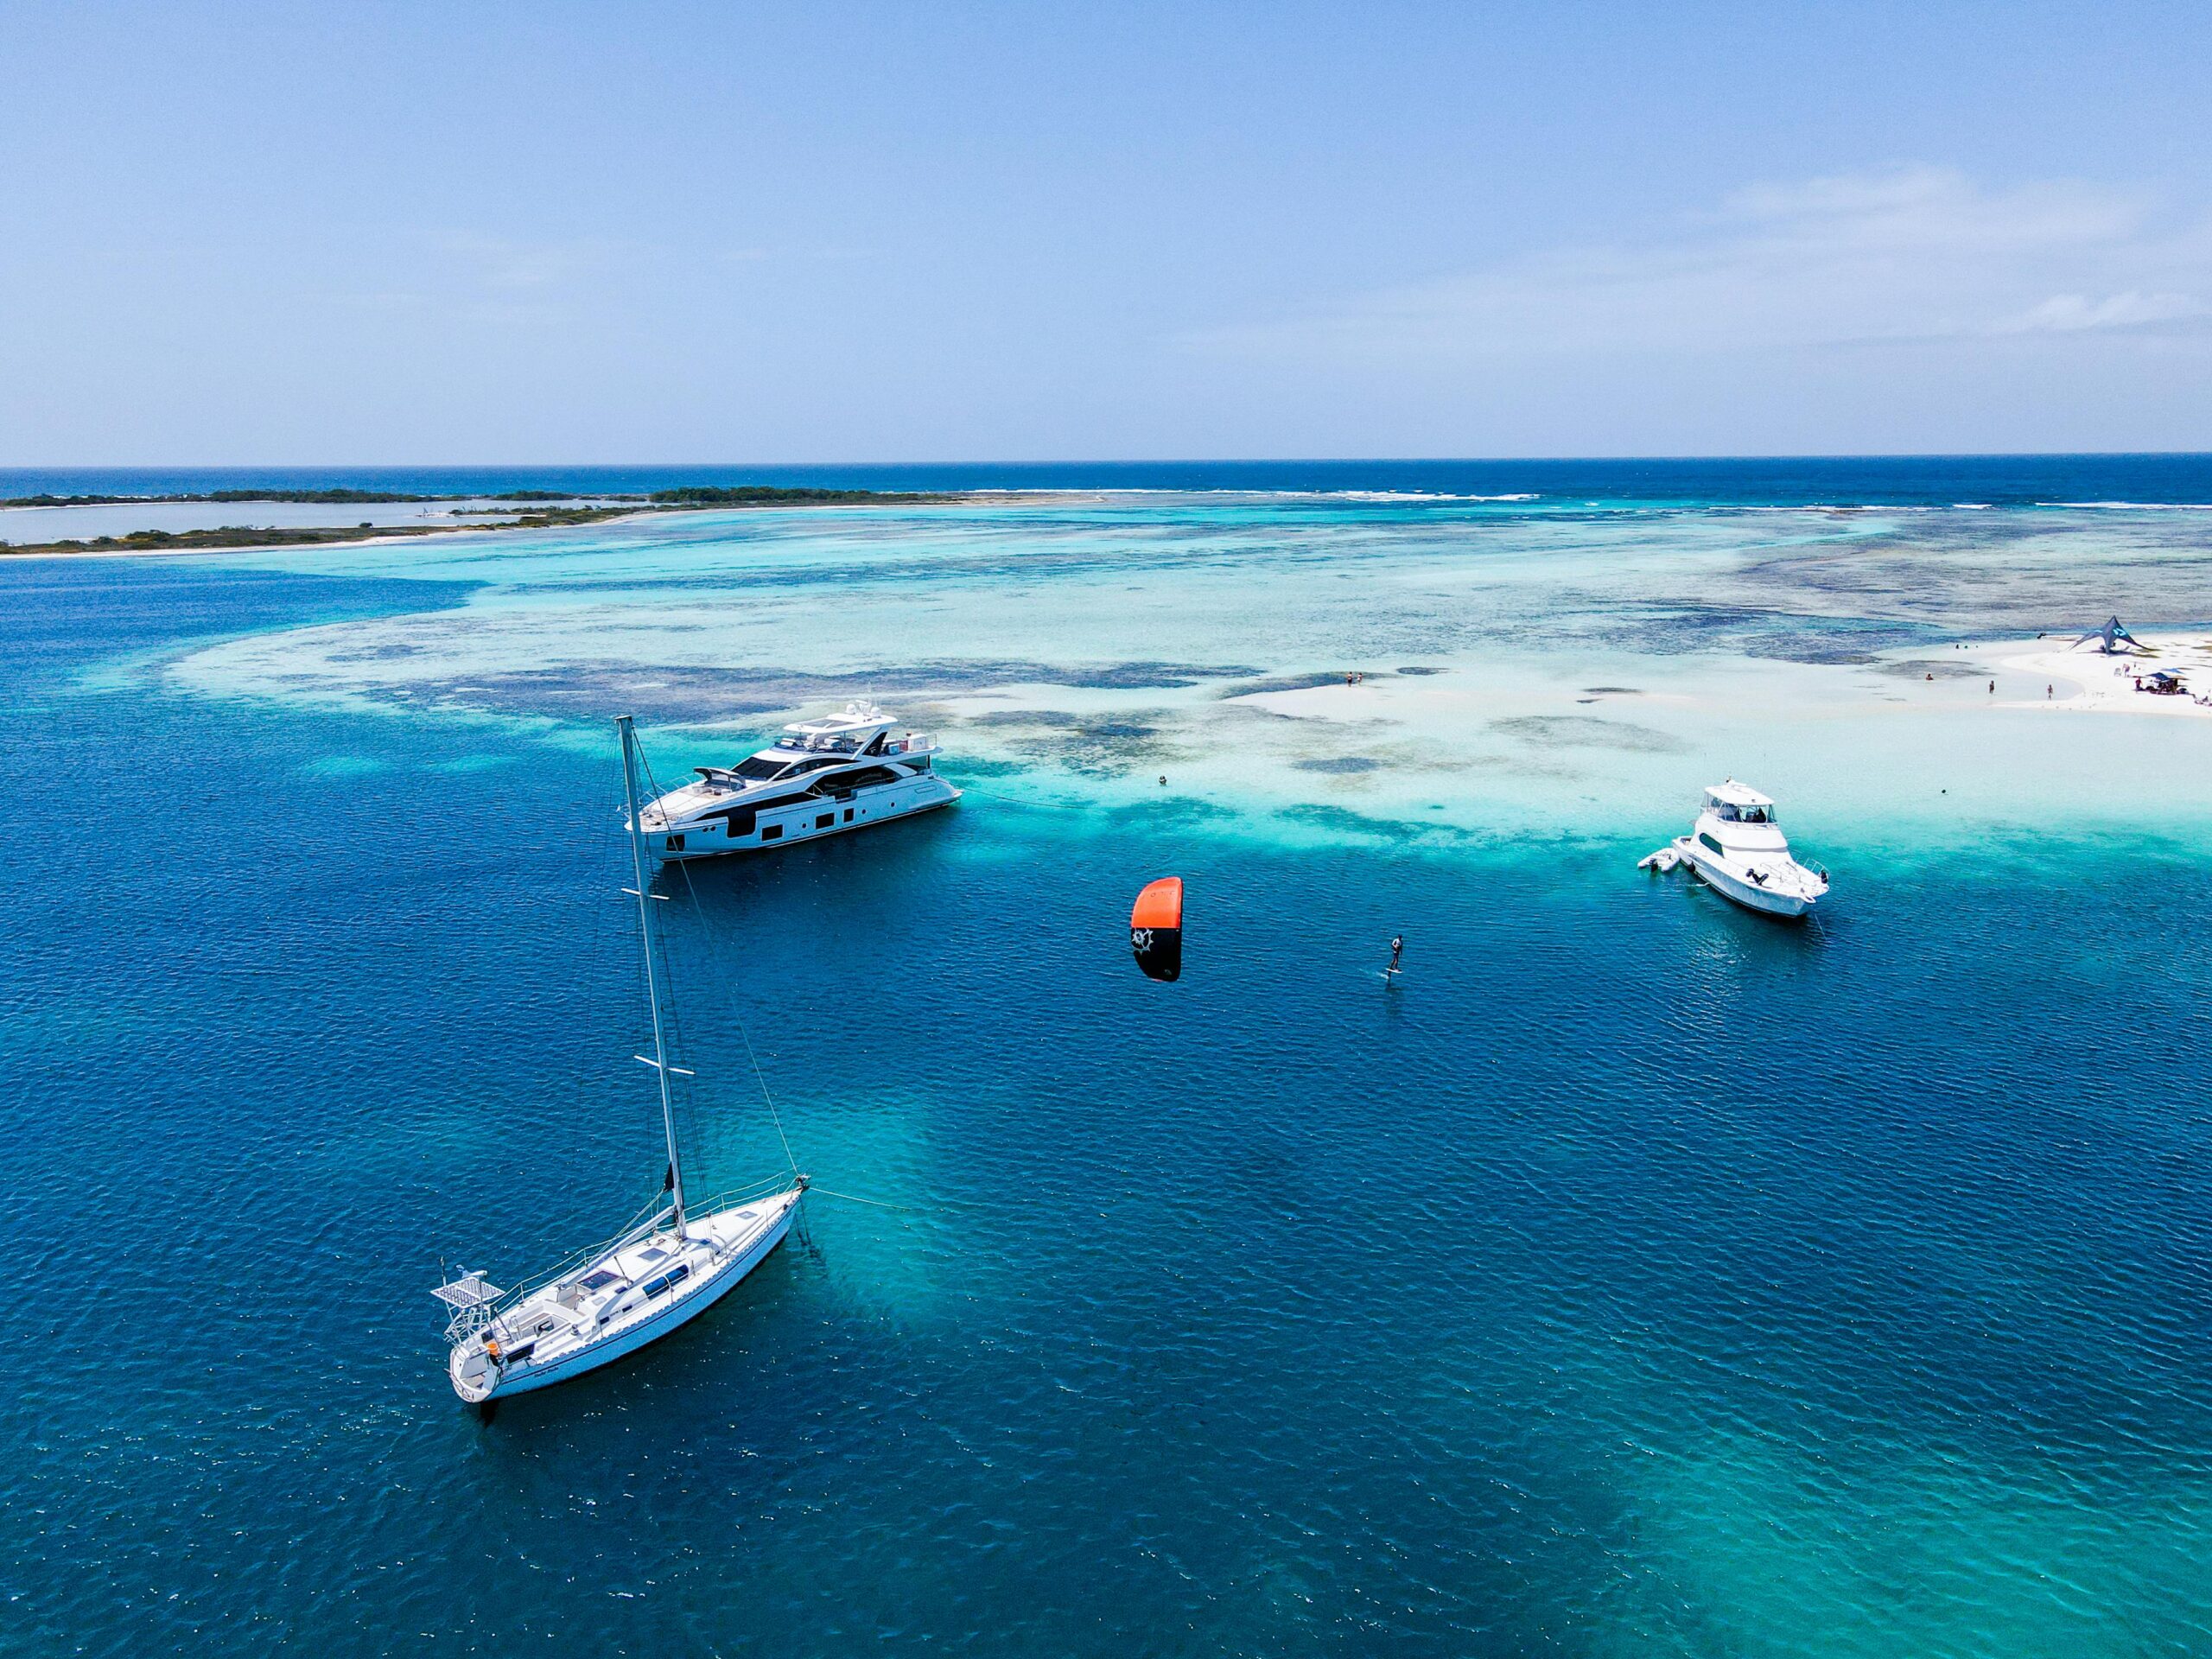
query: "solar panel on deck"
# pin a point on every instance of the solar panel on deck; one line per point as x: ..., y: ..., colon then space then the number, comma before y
x: 471, y: 1291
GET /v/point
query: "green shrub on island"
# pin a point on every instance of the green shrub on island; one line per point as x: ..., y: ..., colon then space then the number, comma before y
x: 695, y: 495
x: 763, y: 495
x: 531, y: 515
x: 329, y: 497
x: 242, y: 536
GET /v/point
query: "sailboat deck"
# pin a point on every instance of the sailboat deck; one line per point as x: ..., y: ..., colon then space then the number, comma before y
x: 617, y: 1298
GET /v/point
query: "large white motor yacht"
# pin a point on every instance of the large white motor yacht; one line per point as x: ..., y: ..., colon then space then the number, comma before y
x: 1740, y: 851
x: 822, y: 776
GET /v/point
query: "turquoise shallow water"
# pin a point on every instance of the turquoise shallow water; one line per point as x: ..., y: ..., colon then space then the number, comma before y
x: 1635, y: 1277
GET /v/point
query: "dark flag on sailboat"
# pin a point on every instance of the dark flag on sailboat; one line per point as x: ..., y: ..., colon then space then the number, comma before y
x: 669, y: 1184
x: 1156, y: 929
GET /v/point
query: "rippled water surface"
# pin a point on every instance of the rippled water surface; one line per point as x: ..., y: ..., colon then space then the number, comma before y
x: 1635, y: 1277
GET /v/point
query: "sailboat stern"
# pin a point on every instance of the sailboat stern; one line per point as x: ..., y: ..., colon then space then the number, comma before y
x: 474, y: 1377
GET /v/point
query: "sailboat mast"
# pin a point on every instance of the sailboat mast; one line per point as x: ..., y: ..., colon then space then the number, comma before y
x: 624, y: 724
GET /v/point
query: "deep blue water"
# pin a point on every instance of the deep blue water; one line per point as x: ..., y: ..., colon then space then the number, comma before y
x: 1758, y: 481
x: 1637, y: 1276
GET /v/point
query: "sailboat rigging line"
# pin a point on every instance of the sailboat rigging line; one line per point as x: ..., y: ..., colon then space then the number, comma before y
x: 699, y: 914
x: 774, y: 1116
x: 689, y: 1125
x: 674, y: 1010
x: 627, y: 725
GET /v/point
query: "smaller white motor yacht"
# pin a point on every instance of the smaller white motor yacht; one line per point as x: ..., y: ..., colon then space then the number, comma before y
x: 1738, y: 850
x: 845, y: 772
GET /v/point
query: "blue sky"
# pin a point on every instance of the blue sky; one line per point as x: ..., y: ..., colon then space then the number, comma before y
x: 424, y: 234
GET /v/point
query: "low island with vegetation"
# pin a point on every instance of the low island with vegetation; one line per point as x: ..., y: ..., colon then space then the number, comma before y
x: 512, y: 509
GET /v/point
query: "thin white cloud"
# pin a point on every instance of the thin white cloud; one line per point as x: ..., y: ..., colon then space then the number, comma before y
x: 1918, y: 255
x: 503, y: 262
x: 2067, y: 314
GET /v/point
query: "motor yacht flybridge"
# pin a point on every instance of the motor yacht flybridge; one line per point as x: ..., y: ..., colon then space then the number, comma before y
x: 666, y: 1269
x: 822, y: 776
x: 1738, y: 848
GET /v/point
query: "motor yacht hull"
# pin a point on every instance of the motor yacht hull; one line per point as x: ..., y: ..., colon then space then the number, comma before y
x: 476, y: 1380
x: 1730, y: 883
x: 808, y: 821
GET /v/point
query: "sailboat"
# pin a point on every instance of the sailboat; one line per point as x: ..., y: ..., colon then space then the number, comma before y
x: 657, y: 1274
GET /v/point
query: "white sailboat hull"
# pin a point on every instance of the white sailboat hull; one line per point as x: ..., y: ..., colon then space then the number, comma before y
x: 744, y: 1237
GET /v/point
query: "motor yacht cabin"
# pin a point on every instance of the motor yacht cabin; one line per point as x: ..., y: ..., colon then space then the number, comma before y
x: 844, y: 771
x: 1738, y: 848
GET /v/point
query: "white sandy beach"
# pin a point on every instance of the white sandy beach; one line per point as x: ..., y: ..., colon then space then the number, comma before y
x: 2088, y: 679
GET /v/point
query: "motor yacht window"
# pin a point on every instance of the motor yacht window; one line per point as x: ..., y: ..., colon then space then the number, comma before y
x: 1729, y: 812
x: 825, y: 820
x: 756, y: 767
x: 1708, y: 841
x: 774, y: 832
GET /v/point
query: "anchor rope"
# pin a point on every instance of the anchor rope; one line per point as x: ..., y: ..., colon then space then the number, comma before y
x: 853, y: 1198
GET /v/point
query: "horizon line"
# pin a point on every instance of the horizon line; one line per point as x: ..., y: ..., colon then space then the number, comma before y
x: 1106, y: 461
